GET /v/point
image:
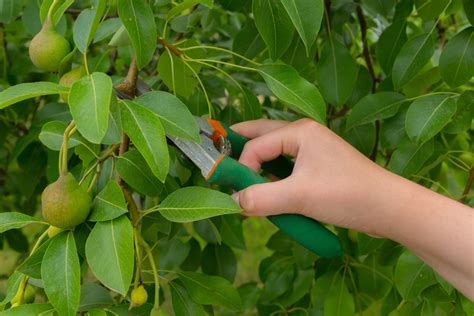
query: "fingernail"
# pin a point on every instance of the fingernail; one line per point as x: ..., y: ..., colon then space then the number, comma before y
x: 235, y: 196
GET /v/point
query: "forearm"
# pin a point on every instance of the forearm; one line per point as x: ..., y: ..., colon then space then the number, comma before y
x: 439, y: 230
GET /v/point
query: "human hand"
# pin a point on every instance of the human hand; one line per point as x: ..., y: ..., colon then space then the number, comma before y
x: 331, y: 181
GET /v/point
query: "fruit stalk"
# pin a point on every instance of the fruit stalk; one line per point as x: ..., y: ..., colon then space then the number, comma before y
x: 19, y: 296
x: 70, y: 129
x: 149, y: 253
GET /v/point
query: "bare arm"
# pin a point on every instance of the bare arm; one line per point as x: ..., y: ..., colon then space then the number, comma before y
x: 334, y: 183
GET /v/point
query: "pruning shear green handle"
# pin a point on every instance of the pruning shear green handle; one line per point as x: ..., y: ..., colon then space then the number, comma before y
x: 219, y: 168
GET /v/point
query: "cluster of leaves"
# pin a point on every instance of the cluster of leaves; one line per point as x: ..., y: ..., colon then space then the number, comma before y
x: 391, y: 77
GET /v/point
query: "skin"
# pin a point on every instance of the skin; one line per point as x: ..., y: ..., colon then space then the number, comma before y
x: 333, y: 183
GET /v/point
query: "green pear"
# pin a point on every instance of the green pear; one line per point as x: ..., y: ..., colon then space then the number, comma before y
x: 48, y: 48
x: 65, y: 203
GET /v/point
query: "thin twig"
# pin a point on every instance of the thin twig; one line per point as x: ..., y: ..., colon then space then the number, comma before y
x: 128, y: 87
x: 468, y: 186
x: 366, y: 51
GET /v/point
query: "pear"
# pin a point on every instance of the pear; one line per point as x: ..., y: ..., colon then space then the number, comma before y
x: 69, y: 78
x: 48, y: 48
x: 139, y: 296
x: 65, y: 203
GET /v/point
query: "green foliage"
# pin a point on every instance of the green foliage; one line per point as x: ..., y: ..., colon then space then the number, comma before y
x: 393, y: 78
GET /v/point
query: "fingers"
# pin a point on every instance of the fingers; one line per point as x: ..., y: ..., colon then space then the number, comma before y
x: 252, y: 129
x: 269, y: 198
x: 283, y: 140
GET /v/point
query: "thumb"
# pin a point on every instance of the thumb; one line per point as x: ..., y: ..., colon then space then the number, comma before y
x: 269, y: 198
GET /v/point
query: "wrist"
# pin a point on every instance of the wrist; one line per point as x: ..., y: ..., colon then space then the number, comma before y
x: 382, y: 202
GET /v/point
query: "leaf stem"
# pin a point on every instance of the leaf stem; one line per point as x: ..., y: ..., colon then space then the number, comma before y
x: 224, y: 63
x: 138, y: 258
x: 222, y: 50
x: 84, y: 61
x: 155, y: 272
x: 209, y: 104
x: 109, y: 153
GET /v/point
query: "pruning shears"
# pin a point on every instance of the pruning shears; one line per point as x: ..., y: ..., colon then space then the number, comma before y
x: 214, y: 156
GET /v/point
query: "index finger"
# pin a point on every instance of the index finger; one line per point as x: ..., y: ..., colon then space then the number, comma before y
x: 256, y: 128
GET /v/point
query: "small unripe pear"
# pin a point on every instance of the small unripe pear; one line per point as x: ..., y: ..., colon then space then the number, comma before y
x: 48, y: 48
x: 65, y: 203
x: 69, y: 78
x: 139, y: 296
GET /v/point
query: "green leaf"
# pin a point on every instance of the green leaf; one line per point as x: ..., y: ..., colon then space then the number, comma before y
x: 32, y: 265
x: 114, y: 129
x: 138, y: 19
x: 456, y: 62
x: 176, y: 75
x: 195, y: 203
x: 414, y: 55
x: 109, y: 203
x: 248, y: 42
x: 431, y: 9
x: 338, y: 300
x: 336, y: 72
x: 393, y: 130
x: 13, y: 220
x: 412, y: 276
x: 94, y: 295
x: 177, y: 120
x: 89, y: 101
x: 182, y: 302
x: 146, y: 131
x: 306, y: 16
x: 110, y: 254
x: 250, y: 106
x: 465, y: 113
x: 86, y: 25
x: 289, y: 87
x: 373, y: 279
x: 410, y: 157
x: 274, y: 25
x: 278, y: 277
x: 29, y: 309
x: 382, y: 7
x: 427, y: 116
x: 469, y: 10
x: 390, y: 43
x: 13, y: 284
x: 231, y: 230
x: 219, y: 260
x: 187, y: 4
x: 299, y: 288
x: 10, y: 9
x: 134, y: 170
x: 362, y: 138
x: 374, y: 107
x: 61, y: 274
x: 58, y: 13
x: 52, y: 135
x: 24, y: 91
x: 211, y: 290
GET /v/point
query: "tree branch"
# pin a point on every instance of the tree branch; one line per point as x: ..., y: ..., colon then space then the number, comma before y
x: 128, y: 87
x: 366, y: 51
x: 468, y: 186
